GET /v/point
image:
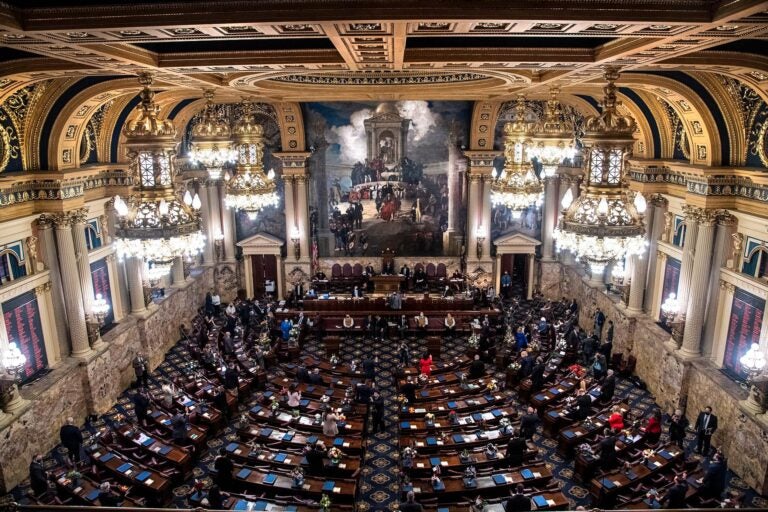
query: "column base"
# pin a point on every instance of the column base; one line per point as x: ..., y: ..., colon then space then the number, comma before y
x: 751, y: 406
x: 634, y: 311
x: 687, y: 353
x: 16, y: 402
x: 671, y: 345
x: 548, y: 259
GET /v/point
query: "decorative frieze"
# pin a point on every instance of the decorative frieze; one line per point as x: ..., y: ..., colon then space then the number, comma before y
x: 57, y: 189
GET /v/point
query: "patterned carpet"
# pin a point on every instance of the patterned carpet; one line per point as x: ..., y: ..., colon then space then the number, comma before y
x: 379, y: 485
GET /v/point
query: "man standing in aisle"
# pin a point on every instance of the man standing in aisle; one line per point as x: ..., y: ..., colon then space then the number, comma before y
x: 706, y: 424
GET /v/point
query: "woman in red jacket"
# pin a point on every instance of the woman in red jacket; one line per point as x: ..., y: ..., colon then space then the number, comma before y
x: 653, y: 427
x: 616, y: 420
x: 425, y: 364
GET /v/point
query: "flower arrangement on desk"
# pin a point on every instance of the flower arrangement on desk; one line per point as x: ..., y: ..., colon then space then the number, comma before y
x: 340, y: 415
x: 478, y: 505
x: 74, y: 476
x: 294, y: 332
x: 533, y: 346
x: 353, y: 366
x: 514, y: 366
x: 295, y: 413
x: 491, y: 450
x: 474, y: 341
x: 325, y: 399
x: 334, y: 454
x: 493, y: 385
x: 274, y: 405
x: 334, y: 360
x: 325, y: 503
x: 470, y: 474
x: 429, y: 417
x: 509, y: 338
x: 401, y: 400
x: 586, y: 449
x: 464, y: 455
x: 243, y: 421
x: 264, y: 340
x: 423, y: 378
x: 561, y: 345
x: 453, y: 418
x: 648, y: 453
x: 436, y: 479
x: 504, y: 426
x: 297, y: 474
x: 588, y: 423
x: 318, y: 418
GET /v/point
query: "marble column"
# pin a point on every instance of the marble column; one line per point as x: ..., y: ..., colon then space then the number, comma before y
x: 178, y: 271
x: 80, y: 218
x: 290, y: 211
x: 726, y: 225
x: 208, y: 230
x: 70, y: 281
x: 228, y: 230
x: 639, y: 265
x: 473, y: 222
x: 302, y: 216
x: 699, y: 285
x: 50, y: 258
x: 531, y: 267
x: 659, y: 206
x: 214, y: 210
x: 689, y: 251
x: 15, y: 401
x: 550, y: 216
x: 133, y: 268
x: 479, y: 208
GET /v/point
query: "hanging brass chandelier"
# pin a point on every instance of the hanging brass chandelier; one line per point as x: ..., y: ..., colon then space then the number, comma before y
x: 249, y: 189
x: 211, y: 140
x: 552, y: 142
x: 603, y: 224
x: 155, y: 224
x: 517, y: 187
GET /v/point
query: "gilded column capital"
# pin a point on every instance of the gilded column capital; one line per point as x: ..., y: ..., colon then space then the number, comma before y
x: 110, y: 257
x: 43, y: 289
x: 725, y: 218
x: 658, y: 200
x: 45, y: 221
x: 661, y: 256
x: 728, y: 287
x: 708, y: 217
x: 691, y: 213
x: 62, y: 220
x: 79, y: 216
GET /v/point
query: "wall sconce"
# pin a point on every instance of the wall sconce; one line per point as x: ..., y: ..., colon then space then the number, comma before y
x: 296, y: 239
x: 480, y: 238
x: 218, y: 245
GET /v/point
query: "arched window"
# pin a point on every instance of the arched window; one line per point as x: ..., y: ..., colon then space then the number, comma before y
x: 679, y: 232
x: 756, y: 262
x: 12, y: 266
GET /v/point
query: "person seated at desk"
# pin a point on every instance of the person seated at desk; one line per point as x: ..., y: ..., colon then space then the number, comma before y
x: 108, y: 498
x: 320, y: 276
x: 405, y: 271
x: 369, y: 270
x: 357, y: 293
x: 518, y: 501
x: 388, y: 269
x: 410, y: 504
x: 447, y: 292
x: 349, y: 324
x: 419, y: 279
x: 616, y: 419
x: 450, y: 324
x: 422, y: 322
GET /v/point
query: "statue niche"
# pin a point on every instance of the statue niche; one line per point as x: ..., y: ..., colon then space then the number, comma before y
x: 386, y: 135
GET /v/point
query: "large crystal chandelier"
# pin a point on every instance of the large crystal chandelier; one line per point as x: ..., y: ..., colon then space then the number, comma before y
x: 154, y: 224
x: 212, y: 140
x: 249, y: 189
x: 603, y: 224
x: 553, y: 137
x: 517, y: 187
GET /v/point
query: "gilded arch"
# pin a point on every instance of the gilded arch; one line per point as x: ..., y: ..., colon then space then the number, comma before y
x: 485, y: 115
x: 291, y: 123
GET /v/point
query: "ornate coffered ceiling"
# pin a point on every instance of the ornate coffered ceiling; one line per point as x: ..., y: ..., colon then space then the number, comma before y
x: 293, y: 50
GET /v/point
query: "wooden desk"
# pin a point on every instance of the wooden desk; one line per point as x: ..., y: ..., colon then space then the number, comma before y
x: 440, y: 406
x: 553, y: 394
x: 303, y: 423
x: 454, y: 441
x: 491, y: 417
x: 155, y: 447
x: 422, y: 465
x: 253, y: 479
x: 296, y: 440
x: 387, y: 284
x: 555, y: 501
x: 454, y: 486
x: 569, y: 438
x: 134, y: 474
x: 87, y: 492
x: 196, y: 435
x: 287, y: 460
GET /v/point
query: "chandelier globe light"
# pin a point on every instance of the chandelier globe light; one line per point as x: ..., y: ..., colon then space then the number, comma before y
x: 603, y: 224
x: 212, y: 140
x: 552, y: 142
x: 249, y: 189
x: 517, y: 187
x: 155, y: 224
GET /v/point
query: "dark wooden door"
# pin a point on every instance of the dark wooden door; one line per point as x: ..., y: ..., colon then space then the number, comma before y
x: 264, y: 269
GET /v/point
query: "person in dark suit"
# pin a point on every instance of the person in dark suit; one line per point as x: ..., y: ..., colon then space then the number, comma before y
x: 357, y: 293
x: 583, y: 405
x: 378, y: 412
x: 38, y: 476
x: 675, y: 497
x: 516, y: 448
x: 608, y: 388
x: 713, y: 481
x: 705, y: 426
x: 141, y: 406
x: 677, y: 425
x: 315, y: 377
x: 607, y: 449
x: 369, y: 368
x: 410, y: 504
x: 518, y: 501
x: 526, y: 364
x: 409, y: 390
x: 224, y: 469
x: 71, y: 439
x: 477, y: 368
x: 537, y: 375
x: 528, y: 423
x: 363, y: 394
x: 315, y: 459
x: 231, y: 378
